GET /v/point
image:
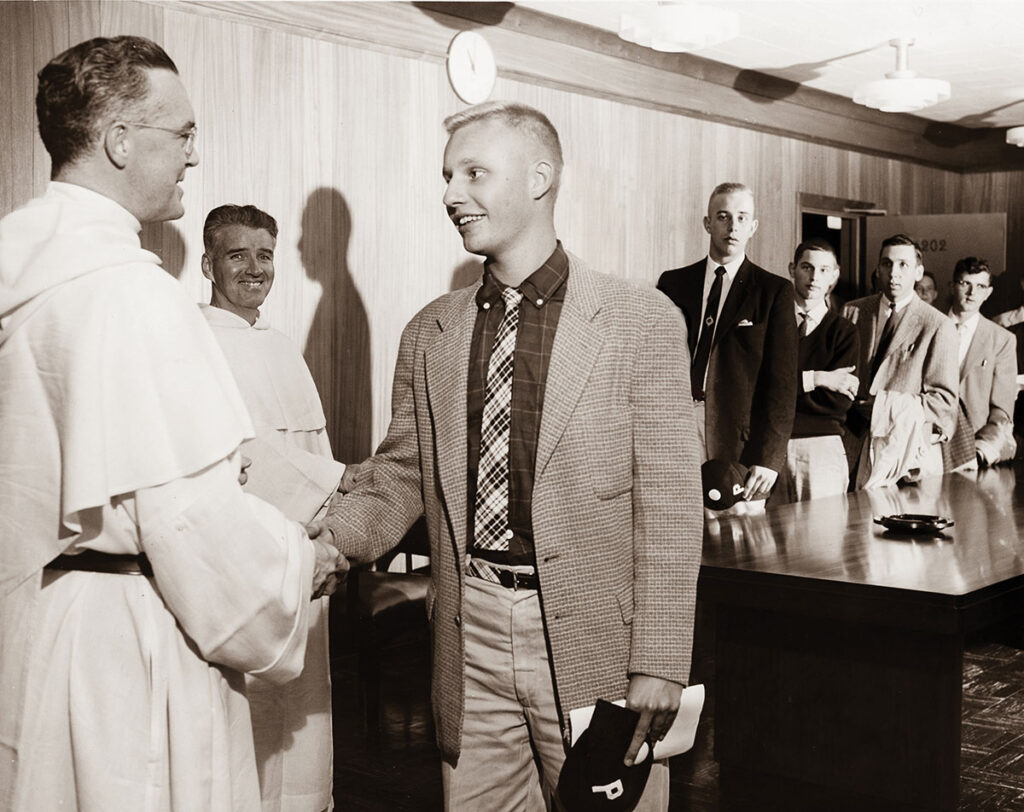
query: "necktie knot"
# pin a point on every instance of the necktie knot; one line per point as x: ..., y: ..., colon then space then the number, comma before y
x: 720, y: 271
x: 512, y: 297
x: 801, y: 321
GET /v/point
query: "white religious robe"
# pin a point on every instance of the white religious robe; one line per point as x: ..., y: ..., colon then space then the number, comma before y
x: 291, y: 723
x: 119, y: 429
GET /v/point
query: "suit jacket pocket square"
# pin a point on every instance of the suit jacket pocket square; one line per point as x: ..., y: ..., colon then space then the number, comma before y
x: 745, y: 323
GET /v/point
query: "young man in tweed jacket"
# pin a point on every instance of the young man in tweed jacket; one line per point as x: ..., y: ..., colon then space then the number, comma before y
x: 587, y: 588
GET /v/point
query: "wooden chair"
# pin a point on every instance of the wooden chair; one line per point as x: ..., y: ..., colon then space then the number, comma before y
x: 383, y: 607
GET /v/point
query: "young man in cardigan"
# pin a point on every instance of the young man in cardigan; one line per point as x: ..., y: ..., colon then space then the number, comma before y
x: 827, y: 357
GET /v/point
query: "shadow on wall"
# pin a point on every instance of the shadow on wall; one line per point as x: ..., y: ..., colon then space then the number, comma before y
x: 166, y: 242
x: 338, y: 346
x: 465, y: 274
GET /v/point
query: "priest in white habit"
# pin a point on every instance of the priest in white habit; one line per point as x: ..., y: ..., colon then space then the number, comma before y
x: 138, y: 582
x: 293, y: 468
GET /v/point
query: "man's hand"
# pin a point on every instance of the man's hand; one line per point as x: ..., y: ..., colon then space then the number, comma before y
x: 330, y: 565
x: 657, y: 700
x: 759, y: 483
x: 356, y: 475
x: 841, y: 380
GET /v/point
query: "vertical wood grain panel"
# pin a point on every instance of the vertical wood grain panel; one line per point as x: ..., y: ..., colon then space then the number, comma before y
x: 343, y: 146
x: 17, y: 137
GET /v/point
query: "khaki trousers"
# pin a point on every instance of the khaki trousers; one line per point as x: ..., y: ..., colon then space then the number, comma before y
x: 512, y: 750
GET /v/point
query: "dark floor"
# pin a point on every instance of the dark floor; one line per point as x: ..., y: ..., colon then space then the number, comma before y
x: 398, y: 768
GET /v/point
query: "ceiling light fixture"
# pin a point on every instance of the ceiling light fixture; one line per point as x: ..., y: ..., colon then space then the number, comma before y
x: 901, y: 91
x: 1015, y: 136
x: 679, y: 27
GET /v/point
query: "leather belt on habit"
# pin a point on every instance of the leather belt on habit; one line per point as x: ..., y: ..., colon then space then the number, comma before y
x: 508, y: 578
x: 95, y: 561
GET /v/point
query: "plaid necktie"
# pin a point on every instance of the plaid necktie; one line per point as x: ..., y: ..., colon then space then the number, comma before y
x: 490, y: 526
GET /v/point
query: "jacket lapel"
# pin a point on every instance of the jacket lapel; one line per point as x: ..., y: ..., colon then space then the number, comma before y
x: 738, y: 292
x: 691, y: 299
x: 577, y: 345
x: 447, y: 371
x: 979, y: 350
x: 907, y: 328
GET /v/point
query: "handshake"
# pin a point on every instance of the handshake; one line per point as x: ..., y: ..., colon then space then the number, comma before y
x: 331, y: 566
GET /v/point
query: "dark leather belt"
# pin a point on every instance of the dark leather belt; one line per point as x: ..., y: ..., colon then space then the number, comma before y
x: 517, y: 580
x: 507, y: 578
x: 95, y: 561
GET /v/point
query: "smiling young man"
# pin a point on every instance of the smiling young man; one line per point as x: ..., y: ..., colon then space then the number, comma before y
x: 291, y: 722
x: 907, y: 357
x: 137, y: 580
x: 743, y: 344
x: 542, y: 421
x: 816, y: 461
x: 988, y: 369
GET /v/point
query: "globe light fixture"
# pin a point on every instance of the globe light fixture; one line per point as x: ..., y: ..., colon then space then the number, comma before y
x: 901, y: 91
x: 679, y: 27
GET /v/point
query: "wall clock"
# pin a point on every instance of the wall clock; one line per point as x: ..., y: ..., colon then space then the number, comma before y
x: 471, y: 67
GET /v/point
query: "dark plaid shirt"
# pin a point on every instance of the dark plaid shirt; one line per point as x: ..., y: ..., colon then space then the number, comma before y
x: 543, y: 295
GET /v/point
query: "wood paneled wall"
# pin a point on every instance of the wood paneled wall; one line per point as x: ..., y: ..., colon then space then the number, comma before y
x: 342, y: 141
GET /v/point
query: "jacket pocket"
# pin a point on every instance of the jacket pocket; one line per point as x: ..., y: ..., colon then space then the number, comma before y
x: 614, y: 489
x: 625, y: 598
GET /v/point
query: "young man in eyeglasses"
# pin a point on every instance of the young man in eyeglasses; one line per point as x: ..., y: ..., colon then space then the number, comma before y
x: 988, y: 367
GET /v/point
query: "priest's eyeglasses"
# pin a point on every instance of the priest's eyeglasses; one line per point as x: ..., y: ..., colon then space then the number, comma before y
x: 189, y: 135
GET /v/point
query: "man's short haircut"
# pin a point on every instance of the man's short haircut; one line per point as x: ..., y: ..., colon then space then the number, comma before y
x: 814, y: 244
x: 528, y: 120
x: 901, y: 239
x: 969, y: 265
x: 232, y: 215
x: 730, y: 188
x: 82, y: 89
x: 930, y: 275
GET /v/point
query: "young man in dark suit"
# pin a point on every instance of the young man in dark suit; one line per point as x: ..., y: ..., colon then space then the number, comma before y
x: 816, y: 461
x: 743, y: 343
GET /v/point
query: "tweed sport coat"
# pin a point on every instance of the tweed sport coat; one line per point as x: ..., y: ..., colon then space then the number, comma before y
x: 921, y: 360
x: 617, y: 513
x: 751, y: 383
x: 988, y: 386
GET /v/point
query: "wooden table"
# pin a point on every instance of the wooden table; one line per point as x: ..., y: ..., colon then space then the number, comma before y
x: 838, y: 653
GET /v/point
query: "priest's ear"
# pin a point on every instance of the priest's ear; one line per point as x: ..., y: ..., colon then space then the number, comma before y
x: 117, y: 143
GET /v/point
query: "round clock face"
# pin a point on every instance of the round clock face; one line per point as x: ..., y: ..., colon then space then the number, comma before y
x: 471, y: 67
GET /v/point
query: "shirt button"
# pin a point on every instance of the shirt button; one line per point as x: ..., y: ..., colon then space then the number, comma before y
x: 509, y: 534
x: 540, y: 302
x: 487, y: 305
x: 458, y: 620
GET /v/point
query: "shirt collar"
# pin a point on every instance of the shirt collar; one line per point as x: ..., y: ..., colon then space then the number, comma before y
x: 970, y: 322
x: 730, y: 270
x: 815, y: 313
x: 544, y: 284
x: 883, y: 306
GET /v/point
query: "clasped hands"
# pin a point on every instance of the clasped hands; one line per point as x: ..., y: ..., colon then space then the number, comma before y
x: 330, y: 567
